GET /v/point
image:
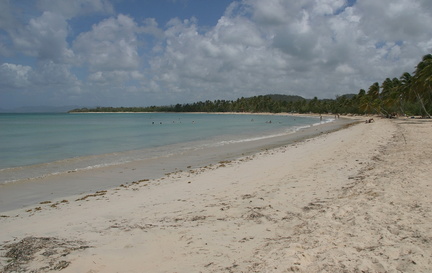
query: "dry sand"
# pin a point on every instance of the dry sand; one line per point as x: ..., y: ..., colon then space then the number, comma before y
x: 355, y: 200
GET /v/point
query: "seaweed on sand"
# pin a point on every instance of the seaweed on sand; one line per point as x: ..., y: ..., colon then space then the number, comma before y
x: 50, y: 252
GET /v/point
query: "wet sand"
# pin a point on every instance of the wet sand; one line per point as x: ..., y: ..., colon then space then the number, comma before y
x: 354, y: 200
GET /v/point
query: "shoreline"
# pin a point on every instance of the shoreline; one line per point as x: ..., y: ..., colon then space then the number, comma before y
x: 220, y: 113
x: 356, y: 199
x: 16, y: 195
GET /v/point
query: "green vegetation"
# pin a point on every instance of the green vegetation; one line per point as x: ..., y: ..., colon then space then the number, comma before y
x: 406, y: 95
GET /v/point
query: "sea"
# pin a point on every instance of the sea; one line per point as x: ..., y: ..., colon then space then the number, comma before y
x: 38, y: 145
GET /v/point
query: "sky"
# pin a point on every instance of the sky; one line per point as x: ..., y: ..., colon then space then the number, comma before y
x: 161, y: 52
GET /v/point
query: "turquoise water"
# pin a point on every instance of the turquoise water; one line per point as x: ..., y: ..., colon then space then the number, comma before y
x: 37, y: 145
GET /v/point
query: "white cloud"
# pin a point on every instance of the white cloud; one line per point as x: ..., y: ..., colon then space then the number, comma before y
x: 44, y: 37
x: 47, y: 74
x: 214, y: 62
x: 297, y: 39
x: 14, y: 76
x: 110, y: 45
x: 47, y: 84
x: 70, y: 9
x: 150, y: 27
x: 271, y: 12
x: 110, y: 77
x: 50, y: 74
x: 395, y: 20
x: 344, y: 69
x: 328, y: 7
x: 311, y: 48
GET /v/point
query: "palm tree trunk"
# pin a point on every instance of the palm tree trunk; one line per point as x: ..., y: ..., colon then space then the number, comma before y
x: 422, y: 104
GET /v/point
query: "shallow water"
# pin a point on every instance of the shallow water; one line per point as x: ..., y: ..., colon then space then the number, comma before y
x: 68, y: 177
x: 39, y: 145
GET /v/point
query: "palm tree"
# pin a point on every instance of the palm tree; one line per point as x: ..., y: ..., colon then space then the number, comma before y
x: 397, y: 95
x: 366, y: 103
x: 391, y: 95
x: 373, y: 91
x: 371, y: 101
x: 405, y: 88
x: 387, y: 95
x: 422, y: 83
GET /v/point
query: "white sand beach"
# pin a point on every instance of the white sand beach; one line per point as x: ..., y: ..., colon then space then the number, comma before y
x: 355, y: 200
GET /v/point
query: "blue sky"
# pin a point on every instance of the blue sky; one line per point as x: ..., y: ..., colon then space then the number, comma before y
x: 159, y: 52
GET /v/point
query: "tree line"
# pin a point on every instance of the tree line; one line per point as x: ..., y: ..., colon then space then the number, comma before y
x: 256, y: 104
x: 410, y: 94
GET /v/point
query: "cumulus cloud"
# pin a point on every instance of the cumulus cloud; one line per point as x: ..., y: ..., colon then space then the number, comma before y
x: 50, y: 74
x: 271, y: 12
x: 46, y: 74
x: 217, y: 61
x: 110, y: 45
x: 46, y: 84
x: 14, y: 76
x: 70, y: 9
x: 311, y: 48
x: 322, y: 48
x: 44, y: 37
x: 109, y: 77
x: 395, y: 20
